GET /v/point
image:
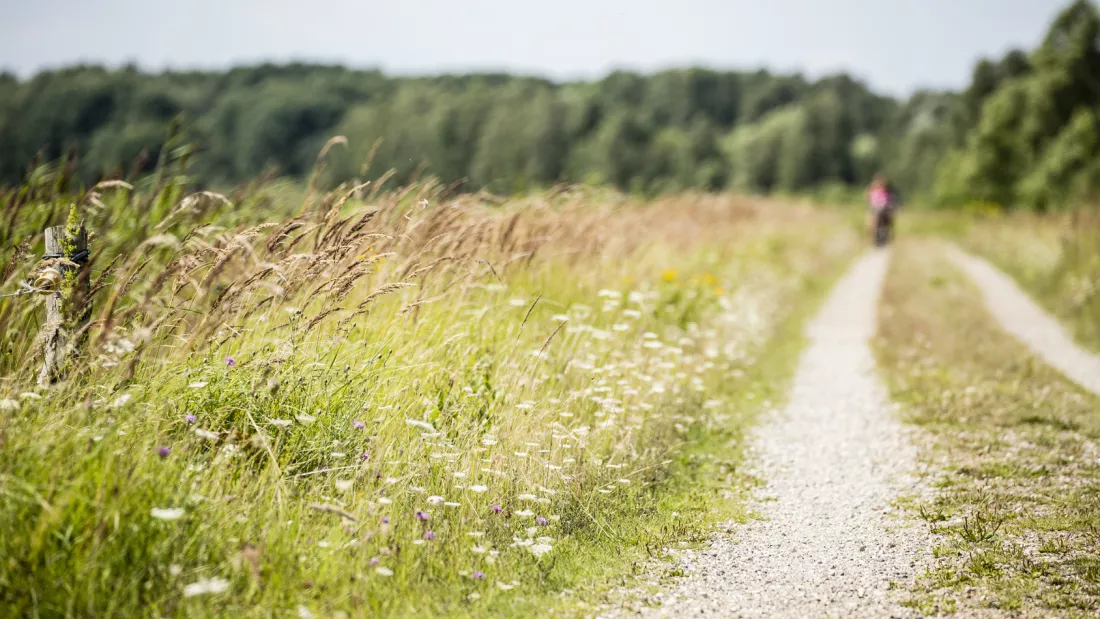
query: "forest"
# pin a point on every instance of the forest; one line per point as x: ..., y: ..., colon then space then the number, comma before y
x: 1023, y: 134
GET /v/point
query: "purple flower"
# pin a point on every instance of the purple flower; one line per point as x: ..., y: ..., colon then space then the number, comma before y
x: 191, y: 418
x: 428, y: 535
x: 374, y: 560
x: 163, y: 452
x: 542, y: 522
x: 479, y: 575
x: 231, y: 362
x: 421, y: 516
x: 376, y: 475
x: 497, y: 509
x: 364, y: 457
x: 385, y: 519
x: 359, y: 425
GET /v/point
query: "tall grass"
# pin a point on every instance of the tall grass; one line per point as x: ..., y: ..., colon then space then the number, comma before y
x: 377, y: 403
x: 1055, y: 257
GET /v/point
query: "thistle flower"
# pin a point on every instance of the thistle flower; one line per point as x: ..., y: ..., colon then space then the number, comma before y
x: 359, y: 425
x: 231, y: 362
x: 497, y: 509
x: 429, y: 535
x: 190, y: 418
x: 164, y: 451
x: 479, y: 575
x: 421, y: 516
x: 542, y: 522
x: 374, y: 560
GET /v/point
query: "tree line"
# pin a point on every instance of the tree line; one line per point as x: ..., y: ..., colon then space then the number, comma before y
x: 1022, y: 134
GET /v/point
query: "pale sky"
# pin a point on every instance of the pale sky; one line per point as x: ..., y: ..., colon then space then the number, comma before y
x: 895, y: 45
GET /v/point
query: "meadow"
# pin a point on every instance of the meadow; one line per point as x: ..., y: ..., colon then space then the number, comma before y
x: 356, y: 402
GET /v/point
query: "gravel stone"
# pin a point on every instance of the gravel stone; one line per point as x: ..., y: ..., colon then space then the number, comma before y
x: 1026, y: 321
x: 830, y: 543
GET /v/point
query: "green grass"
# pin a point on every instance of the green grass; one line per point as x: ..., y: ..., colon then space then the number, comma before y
x: 1015, y: 487
x: 1055, y: 258
x: 559, y: 385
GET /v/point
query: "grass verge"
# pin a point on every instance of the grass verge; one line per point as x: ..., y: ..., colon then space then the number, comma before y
x: 1014, y: 447
x: 394, y: 404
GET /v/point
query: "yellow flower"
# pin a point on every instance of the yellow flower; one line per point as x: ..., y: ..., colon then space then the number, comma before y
x: 718, y: 291
x: 669, y: 275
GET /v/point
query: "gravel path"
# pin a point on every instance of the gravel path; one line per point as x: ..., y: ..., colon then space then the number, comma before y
x: 830, y: 543
x: 1020, y: 316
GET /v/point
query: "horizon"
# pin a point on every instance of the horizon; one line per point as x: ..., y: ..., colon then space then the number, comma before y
x: 933, y: 46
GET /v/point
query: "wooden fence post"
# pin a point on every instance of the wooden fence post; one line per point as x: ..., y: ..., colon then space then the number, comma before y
x: 57, y: 335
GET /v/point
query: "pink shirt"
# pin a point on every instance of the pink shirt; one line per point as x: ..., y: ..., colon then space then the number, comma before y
x: 879, y: 197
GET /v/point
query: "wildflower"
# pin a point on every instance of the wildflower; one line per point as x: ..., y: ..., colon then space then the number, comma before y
x: 121, y: 401
x: 429, y: 535
x: 479, y: 575
x: 231, y: 362
x: 374, y: 561
x: 198, y: 385
x: 305, y: 419
x: 343, y: 485
x: 206, y: 434
x: 435, y: 500
x: 282, y: 423
x: 479, y: 488
x: 303, y: 612
x: 421, y: 516
x: 164, y: 451
x: 524, y: 513
x: 363, y: 457
x: 504, y: 586
x: 540, y: 549
x: 166, y: 513
x: 497, y: 509
x: 8, y: 404
x: 385, y: 500
x: 190, y: 418
x: 206, y: 585
x: 385, y: 519
x: 542, y: 522
x: 383, y: 571
x: 669, y: 275
x: 359, y: 425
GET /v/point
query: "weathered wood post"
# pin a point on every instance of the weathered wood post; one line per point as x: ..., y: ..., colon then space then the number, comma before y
x: 62, y: 252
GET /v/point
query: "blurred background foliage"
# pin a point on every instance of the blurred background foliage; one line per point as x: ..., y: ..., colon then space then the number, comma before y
x: 1023, y: 134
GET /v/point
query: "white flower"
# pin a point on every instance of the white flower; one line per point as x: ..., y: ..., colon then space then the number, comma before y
x: 343, y: 485
x: 539, y: 549
x: 517, y: 302
x: 174, y: 570
x: 384, y: 500
x: 460, y: 474
x: 305, y: 419
x: 303, y: 613
x: 7, y: 405
x: 30, y: 395
x: 479, y: 488
x: 488, y: 441
x: 206, y: 434
x: 206, y: 585
x: 282, y: 423
x: 198, y: 385
x: 121, y: 401
x: 560, y: 318
x: 435, y: 500
x: 166, y: 513
x: 504, y: 586
x: 527, y: 497
x: 451, y: 503
x: 479, y: 550
x: 524, y: 513
x: 383, y: 571
x: 475, y: 533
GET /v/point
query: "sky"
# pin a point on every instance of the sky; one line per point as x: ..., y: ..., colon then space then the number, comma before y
x: 896, y: 46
